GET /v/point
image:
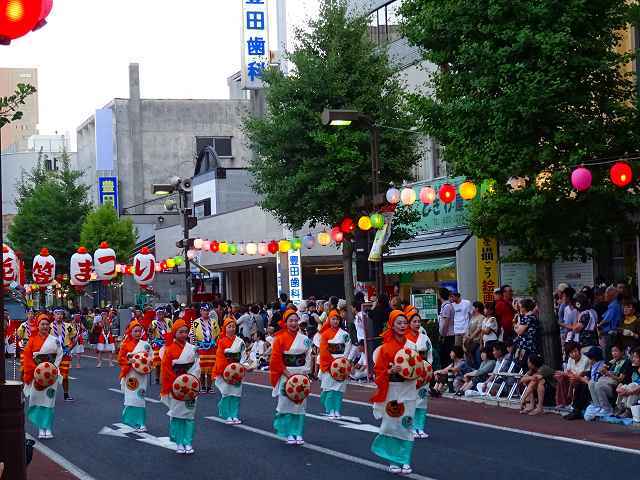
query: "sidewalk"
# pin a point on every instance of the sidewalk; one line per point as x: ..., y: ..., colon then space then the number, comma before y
x: 42, y: 467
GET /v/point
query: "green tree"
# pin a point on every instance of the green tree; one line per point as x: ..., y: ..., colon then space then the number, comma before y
x: 51, y: 215
x: 10, y: 106
x: 524, y: 88
x: 307, y: 172
x: 28, y: 180
x: 104, y: 225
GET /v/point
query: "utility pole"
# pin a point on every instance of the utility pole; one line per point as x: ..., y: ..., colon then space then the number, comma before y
x: 186, y: 224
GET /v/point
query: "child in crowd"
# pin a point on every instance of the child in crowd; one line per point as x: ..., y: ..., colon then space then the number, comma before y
x: 471, y: 379
x: 452, y: 375
x: 540, y: 386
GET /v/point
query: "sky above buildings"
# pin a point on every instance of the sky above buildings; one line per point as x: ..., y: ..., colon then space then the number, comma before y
x: 186, y: 49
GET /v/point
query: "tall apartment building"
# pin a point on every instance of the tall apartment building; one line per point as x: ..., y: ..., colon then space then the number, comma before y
x: 13, y: 137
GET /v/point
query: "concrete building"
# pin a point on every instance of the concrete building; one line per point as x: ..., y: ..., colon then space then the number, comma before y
x: 138, y: 142
x: 13, y: 137
x: 48, y: 149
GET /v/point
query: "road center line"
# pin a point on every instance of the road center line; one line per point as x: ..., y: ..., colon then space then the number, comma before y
x: 319, y: 449
x: 497, y: 427
x: 60, y: 460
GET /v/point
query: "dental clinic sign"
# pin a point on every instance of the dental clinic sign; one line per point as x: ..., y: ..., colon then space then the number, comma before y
x: 255, y: 43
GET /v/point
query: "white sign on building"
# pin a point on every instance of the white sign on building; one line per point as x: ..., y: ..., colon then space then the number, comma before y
x: 255, y: 43
x: 295, y: 276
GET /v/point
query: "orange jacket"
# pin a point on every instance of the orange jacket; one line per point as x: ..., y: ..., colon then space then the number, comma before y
x: 34, y: 345
x: 326, y: 359
x: 281, y: 344
x: 168, y: 376
x: 386, y: 356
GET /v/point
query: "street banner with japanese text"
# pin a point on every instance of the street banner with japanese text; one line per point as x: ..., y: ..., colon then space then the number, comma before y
x: 255, y: 43
x: 487, y: 268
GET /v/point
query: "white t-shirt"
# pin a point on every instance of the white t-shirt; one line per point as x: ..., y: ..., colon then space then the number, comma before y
x: 359, y: 322
x: 492, y: 324
x: 462, y: 316
x: 578, y: 367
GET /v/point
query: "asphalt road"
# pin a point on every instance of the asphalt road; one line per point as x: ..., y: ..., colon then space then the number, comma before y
x: 333, y: 450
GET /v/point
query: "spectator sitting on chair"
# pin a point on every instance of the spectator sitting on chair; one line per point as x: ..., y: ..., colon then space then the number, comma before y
x: 503, y: 361
x: 581, y: 395
x: 452, y: 375
x: 616, y: 371
x: 472, y: 379
x: 539, y: 384
x: 629, y: 394
x: 575, y: 366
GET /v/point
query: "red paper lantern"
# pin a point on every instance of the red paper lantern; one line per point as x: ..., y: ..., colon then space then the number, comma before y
x: 347, y: 225
x: 18, y: 17
x: 447, y: 193
x: 215, y: 246
x: 273, y: 247
x: 621, y: 174
x: 337, y: 235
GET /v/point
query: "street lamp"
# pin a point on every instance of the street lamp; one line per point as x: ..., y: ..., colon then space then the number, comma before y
x: 184, y: 187
x: 337, y: 118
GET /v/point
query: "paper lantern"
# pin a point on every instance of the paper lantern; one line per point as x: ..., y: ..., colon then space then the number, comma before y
x: 215, y: 246
x: 621, y: 174
x: 364, y: 223
x: 10, y: 266
x: 273, y: 247
x: 252, y: 248
x: 284, y: 246
x: 144, y: 270
x: 468, y: 190
x: 309, y: 241
x: 393, y: 195
x: 179, y: 260
x: 447, y: 193
x: 206, y: 245
x: 408, y: 196
x: 581, y: 179
x: 543, y: 180
x: 233, y: 248
x: 296, y: 244
x: 81, y: 266
x: 191, y: 254
x: 223, y: 248
x: 347, y: 225
x: 104, y: 262
x: 377, y: 221
x: 324, y: 239
x: 242, y: 248
x: 158, y: 267
x: 517, y: 183
x: 337, y: 235
x: 19, y: 17
x: 170, y: 262
x: 263, y: 248
x: 197, y: 243
x: 428, y: 195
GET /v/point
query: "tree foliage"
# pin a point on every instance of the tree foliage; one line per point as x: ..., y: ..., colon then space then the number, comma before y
x: 104, y: 225
x: 51, y: 210
x: 10, y: 106
x: 307, y: 172
x: 527, y: 87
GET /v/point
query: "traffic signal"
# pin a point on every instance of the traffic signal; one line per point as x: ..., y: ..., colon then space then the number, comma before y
x: 19, y: 17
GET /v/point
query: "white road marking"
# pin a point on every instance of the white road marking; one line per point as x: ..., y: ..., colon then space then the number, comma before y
x: 575, y: 441
x: 112, y: 432
x: 122, y: 431
x: 352, y: 426
x: 152, y: 400
x: 60, y: 460
x: 319, y: 449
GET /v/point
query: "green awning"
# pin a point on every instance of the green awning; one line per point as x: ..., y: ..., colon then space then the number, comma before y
x: 413, y: 266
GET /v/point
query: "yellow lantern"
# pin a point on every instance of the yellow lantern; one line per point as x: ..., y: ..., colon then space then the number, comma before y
x: 171, y: 262
x: 224, y: 248
x: 468, y: 190
x: 364, y: 223
x: 324, y: 239
x: 284, y: 246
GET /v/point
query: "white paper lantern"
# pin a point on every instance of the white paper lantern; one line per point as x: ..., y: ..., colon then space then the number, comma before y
x: 197, y: 243
x: 104, y: 262
x: 44, y: 268
x: 252, y: 248
x: 408, y: 196
x: 309, y: 241
x: 9, y: 266
x: 81, y: 268
x: 191, y: 254
x: 242, y: 248
x: 144, y: 267
x: 393, y: 196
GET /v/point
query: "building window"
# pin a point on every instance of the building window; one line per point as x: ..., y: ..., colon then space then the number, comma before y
x: 384, y: 23
x: 202, y: 208
x: 222, y: 145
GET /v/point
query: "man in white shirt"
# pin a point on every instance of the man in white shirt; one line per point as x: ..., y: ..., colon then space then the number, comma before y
x: 575, y: 366
x: 463, y: 311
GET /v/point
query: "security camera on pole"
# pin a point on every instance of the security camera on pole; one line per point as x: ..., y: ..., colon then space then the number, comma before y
x: 184, y: 187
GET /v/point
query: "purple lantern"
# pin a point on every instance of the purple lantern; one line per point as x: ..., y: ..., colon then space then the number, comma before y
x: 581, y: 179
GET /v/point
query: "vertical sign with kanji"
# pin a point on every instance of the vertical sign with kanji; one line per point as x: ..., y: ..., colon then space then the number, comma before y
x: 255, y: 43
x: 487, y: 258
x: 295, y: 276
x: 108, y: 191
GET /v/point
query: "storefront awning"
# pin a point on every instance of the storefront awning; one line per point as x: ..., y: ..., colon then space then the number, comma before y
x: 413, y: 266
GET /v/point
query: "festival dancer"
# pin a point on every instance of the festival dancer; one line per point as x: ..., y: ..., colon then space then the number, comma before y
x: 67, y: 334
x: 134, y: 370
x: 418, y: 340
x: 42, y: 347
x: 203, y: 334
x: 159, y: 335
x: 78, y: 350
x: 395, y: 399
x: 180, y: 357
x: 230, y: 350
x: 23, y: 333
x: 334, y: 343
x: 290, y: 355
x: 106, y: 341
